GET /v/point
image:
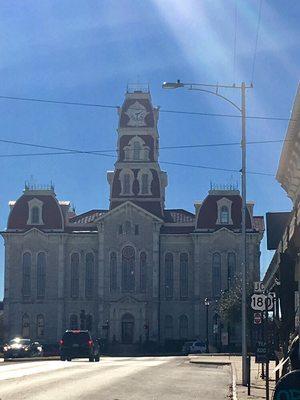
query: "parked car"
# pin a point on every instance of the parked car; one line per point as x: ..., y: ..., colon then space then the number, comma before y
x: 18, y: 347
x: 198, y: 347
x: 186, y: 348
x: 79, y: 344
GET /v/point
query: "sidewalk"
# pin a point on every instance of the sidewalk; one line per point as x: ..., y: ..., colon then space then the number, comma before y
x: 258, y: 391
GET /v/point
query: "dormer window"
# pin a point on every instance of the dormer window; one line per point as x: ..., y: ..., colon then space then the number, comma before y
x: 224, y: 219
x: 35, y: 215
x: 35, y: 212
x: 224, y: 212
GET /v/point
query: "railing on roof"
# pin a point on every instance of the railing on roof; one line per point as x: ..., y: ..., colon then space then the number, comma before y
x: 224, y: 186
x: 34, y: 186
x: 138, y: 88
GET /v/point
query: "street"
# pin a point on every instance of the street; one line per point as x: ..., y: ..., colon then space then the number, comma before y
x: 114, y: 378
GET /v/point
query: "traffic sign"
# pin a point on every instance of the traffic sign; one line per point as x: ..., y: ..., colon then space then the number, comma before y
x: 257, y: 318
x: 258, y: 301
x: 261, y: 354
x: 259, y: 287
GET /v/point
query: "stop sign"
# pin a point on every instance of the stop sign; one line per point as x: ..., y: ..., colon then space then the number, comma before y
x: 257, y: 318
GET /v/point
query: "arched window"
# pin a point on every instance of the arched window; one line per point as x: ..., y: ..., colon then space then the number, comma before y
x: 89, y: 275
x: 231, y: 261
x: 216, y: 275
x: 127, y: 184
x: 35, y: 215
x: 41, y: 275
x: 128, y: 269
x: 145, y: 184
x: 224, y: 215
x: 25, y: 326
x: 113, y: 272
x: 40, y: 326
x: 26, y: 289
x: 168, y: 327
x: 169, y: 275
x: 145, y: 179
x: 75, y: 275
x: 184, y: 275
x: 183, y: 327
x: 73, y: 321
x: 136, y: 150
x: 143, y: 272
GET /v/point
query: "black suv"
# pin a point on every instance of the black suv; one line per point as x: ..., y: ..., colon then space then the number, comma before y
x: 79, y: 344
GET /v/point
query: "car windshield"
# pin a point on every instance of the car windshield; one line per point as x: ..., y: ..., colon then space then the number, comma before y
x: 20, y: 341
x: 76, y: 337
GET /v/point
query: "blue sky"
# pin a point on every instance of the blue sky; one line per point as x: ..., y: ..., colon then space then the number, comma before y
x: 88, y: 51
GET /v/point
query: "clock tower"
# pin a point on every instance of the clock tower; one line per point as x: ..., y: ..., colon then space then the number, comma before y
x: 137, y: 176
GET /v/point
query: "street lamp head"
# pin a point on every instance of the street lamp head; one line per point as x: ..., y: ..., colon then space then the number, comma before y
x: 206, y: 301
x: 172, y: 85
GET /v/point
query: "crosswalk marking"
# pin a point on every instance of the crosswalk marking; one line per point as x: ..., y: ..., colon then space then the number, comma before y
x: 19, y: 370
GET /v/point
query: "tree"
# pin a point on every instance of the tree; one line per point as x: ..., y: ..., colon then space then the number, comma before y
x: 230, y: 303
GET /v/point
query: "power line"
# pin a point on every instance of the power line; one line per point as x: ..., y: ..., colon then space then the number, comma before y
x: 222, y: 144
x: 162, y: 110
x: 64, y: 151
x: 55, y: 148
x: 256, y: 41
x: 215, y: 168
x: 102, y: 152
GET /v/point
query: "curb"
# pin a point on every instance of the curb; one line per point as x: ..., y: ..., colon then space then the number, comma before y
x: 233, y: 391
x: 210, y: 362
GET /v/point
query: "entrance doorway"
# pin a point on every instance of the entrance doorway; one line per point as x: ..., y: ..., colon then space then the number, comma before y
x: 127, y: 329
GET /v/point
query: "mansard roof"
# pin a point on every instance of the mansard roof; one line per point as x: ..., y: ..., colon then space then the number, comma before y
x: 208, y: 214
x: 51, y: 211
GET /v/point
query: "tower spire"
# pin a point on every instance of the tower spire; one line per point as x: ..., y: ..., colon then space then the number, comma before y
x: 137, y: 176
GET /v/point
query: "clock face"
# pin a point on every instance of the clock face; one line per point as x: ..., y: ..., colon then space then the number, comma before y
x: 136, y: 113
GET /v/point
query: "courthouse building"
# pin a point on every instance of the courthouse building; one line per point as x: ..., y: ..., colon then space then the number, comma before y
x: 136, y: 271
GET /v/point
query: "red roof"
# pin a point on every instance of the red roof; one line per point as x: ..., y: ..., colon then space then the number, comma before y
x: 51, y: 214
x: 178, y: 215
x: 87, y: 217
x: 208, y: 213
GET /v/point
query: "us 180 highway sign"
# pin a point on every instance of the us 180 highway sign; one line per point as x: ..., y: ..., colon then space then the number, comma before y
x: 258, y: 301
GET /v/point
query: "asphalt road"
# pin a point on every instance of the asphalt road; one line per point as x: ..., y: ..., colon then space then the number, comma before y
x: 114, y: 378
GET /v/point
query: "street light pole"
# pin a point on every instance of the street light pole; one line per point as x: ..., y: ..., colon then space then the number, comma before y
x: 244, y: 239
x: 242, y: 110
x: 206, y: 303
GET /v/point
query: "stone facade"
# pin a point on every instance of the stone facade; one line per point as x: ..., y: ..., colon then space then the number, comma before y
x: 139, y: 271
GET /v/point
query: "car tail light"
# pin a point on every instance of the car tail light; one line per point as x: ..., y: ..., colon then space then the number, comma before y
x: 61, y: 342
x: 90, y: 343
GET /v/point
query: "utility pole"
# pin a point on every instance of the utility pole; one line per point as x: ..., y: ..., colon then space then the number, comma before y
x: 244, y: 238
x: 214, y: 89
